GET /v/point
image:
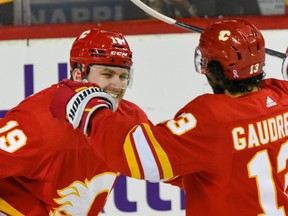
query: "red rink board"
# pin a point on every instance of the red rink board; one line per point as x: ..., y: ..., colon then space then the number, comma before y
x: 135, y: 27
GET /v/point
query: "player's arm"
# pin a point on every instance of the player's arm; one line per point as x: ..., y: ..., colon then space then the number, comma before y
x: 154, y: 153
x: 144, y: 151
x: 72, y: 103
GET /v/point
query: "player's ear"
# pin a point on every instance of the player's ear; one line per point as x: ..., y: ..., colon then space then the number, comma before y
x: 77, y: 75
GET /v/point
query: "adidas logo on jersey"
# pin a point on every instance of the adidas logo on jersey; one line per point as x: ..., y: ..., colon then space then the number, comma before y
x: 270, y: 102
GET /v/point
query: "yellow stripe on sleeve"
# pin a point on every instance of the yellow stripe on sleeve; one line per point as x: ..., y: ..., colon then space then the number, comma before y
x: 162, y: 156
x: 5, y: 1
x: 131, y: 158
x: 8, y: 209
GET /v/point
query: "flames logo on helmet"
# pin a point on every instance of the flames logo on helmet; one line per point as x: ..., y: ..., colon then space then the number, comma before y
x: 227, y: 42
x: 224, y: 35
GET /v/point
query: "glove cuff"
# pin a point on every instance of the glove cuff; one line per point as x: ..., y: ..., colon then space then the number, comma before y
x: 77, y: 104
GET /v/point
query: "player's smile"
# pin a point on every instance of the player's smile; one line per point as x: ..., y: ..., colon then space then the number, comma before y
x: 114, y: 94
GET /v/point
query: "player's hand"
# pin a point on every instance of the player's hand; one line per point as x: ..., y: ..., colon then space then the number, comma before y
x: 76, y: 102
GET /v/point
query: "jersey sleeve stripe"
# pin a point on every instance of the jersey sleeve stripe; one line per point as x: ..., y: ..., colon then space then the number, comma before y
x: 161, y: 154
x: 8, y: 209
x: 131, y: 158
x: 150, y: 168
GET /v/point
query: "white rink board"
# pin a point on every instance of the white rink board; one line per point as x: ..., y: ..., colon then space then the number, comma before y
x: 164, y: 81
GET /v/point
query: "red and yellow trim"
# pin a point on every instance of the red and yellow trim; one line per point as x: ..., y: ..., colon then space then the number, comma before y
x: 8, y: 209
x: 161, y: 154
x: 5, y: 1
x: 130, y: 157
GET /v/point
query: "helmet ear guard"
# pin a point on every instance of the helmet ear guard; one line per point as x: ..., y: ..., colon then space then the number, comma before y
x: 236, y: 44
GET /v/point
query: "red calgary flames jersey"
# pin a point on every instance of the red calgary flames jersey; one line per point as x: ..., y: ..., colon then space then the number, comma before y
x: 230, y: 152
x: 51, y: 162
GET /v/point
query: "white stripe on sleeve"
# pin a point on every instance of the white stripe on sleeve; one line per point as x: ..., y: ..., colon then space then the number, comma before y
x: 147, y: 159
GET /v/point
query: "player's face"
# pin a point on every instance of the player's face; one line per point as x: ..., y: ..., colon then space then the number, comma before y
x: 113, y: 80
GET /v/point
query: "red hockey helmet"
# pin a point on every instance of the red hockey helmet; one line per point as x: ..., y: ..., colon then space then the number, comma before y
x: 101, y: 47
x: 237, y: 44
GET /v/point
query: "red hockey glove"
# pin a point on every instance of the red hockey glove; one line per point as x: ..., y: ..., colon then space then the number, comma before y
x: 77, y: 101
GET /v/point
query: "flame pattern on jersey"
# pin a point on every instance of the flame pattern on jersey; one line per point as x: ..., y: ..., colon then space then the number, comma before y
x: 78, y: 197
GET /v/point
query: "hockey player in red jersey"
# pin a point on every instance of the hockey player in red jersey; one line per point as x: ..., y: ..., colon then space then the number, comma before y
x: 47, y: 159
x: 230, y: 147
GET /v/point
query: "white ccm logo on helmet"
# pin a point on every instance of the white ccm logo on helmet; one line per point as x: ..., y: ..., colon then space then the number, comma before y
x: 117, y: 53
x: 224, y: 35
